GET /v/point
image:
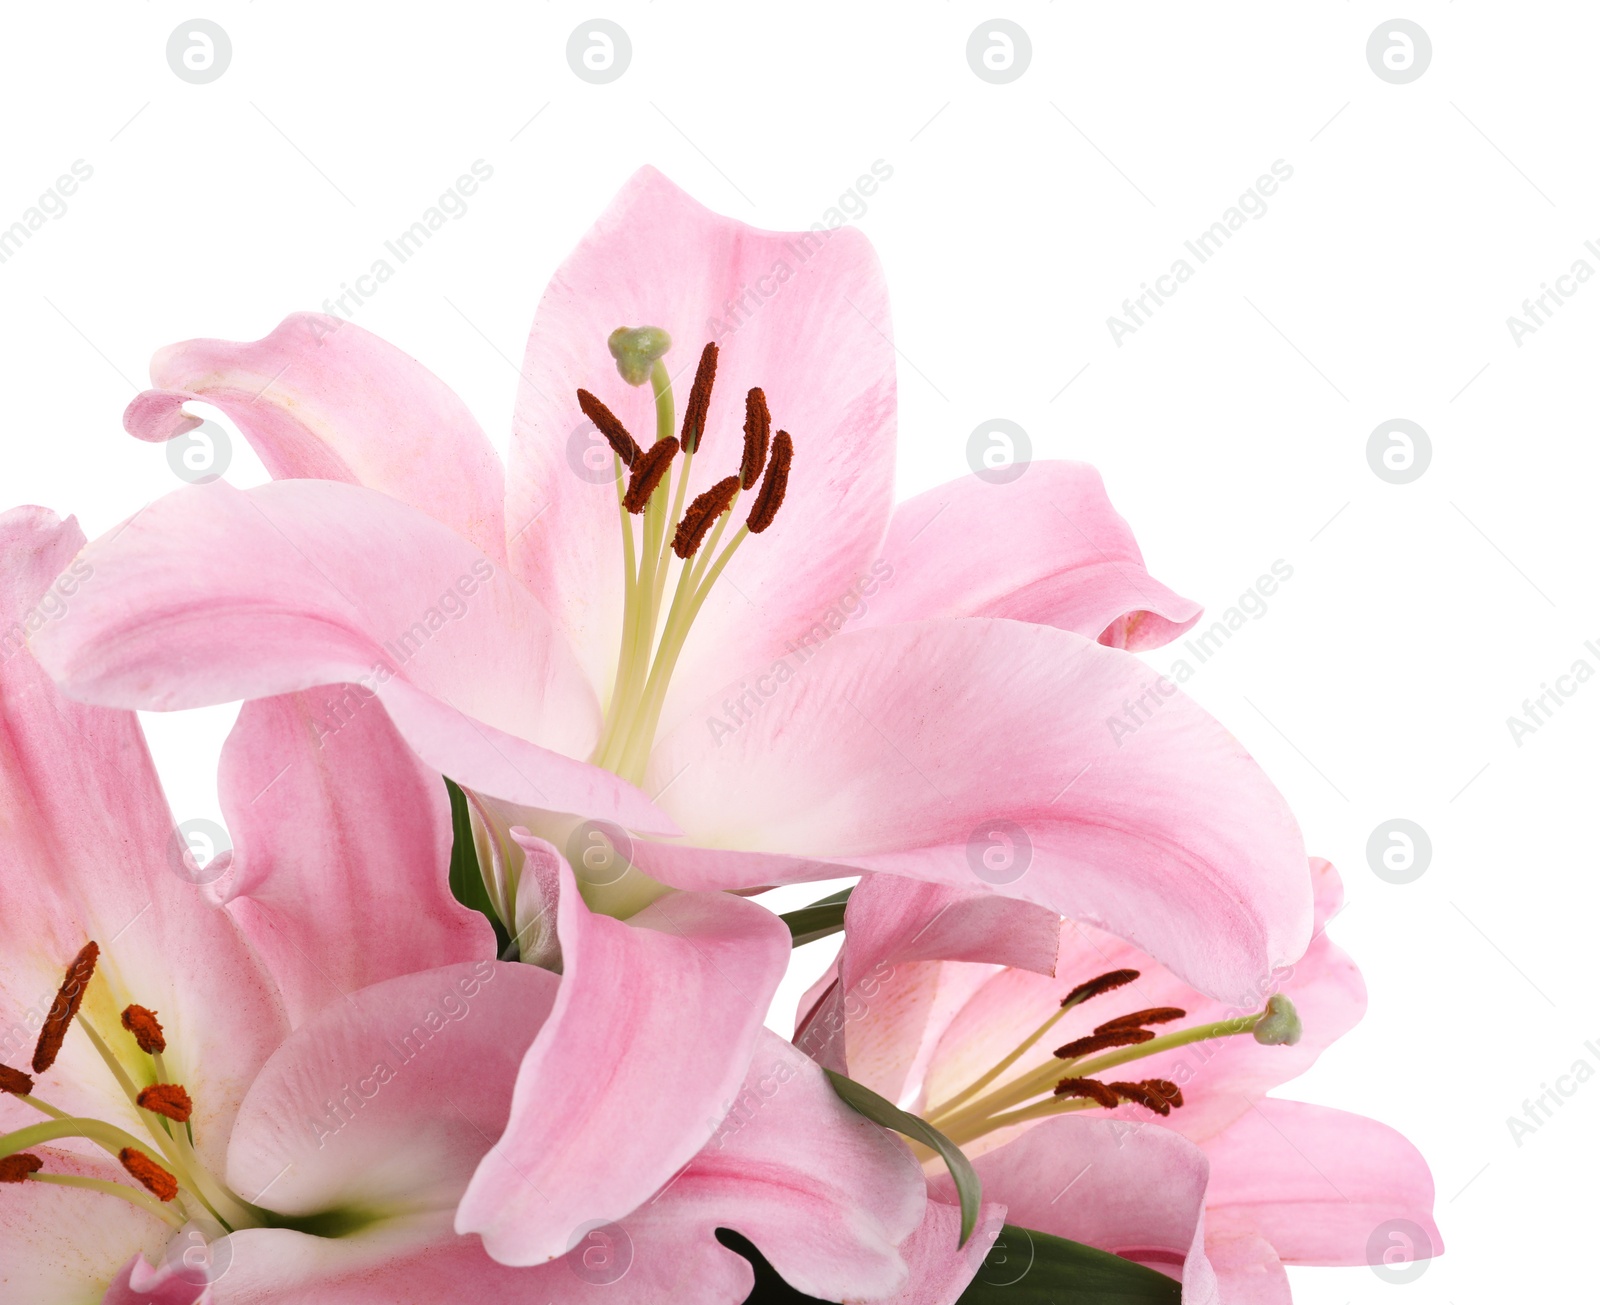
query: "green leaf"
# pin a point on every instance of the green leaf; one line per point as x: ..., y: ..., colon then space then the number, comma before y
x: 466, y: 877
x: 818, y: 920
x: 879, y: 1110
x: 1034, y: 1268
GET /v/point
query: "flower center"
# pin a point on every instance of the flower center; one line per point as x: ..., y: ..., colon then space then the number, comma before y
x: 172, y: 1183
x: 654, y: 631
x: 1072, y: 1080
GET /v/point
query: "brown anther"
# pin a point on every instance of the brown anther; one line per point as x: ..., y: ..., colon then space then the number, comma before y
x: 167, y: 1099
x: 773, y: 484
x: 757, y: 433
x: 605, y: 421
x: 1155, y: 1094
x: 157, y: 1181
x: 1090, y: 1088
x: 1102, y: 1041
x: 146, y: 1030
x: 699, y: 515
x: 1094, y: 987
x: 699, y: 405
x: 14, y: 1081
x: 64, y: 1009
x: 648, y: 470
x: 1155, y: 1015
x: 19, y: 1168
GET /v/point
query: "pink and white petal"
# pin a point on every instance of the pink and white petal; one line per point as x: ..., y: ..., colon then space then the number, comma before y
x: 214, y: 594
x: 817, y: 342
x: 322, y: 399
x: 1322, y: 1186
x: 341, y: 858
x: 942, y: 1266
x: 89, y: 851
x: 1053, y: 551
x: 142, y: 1283
x: 64, y: 1245
x: 1135, y: 1190
x: 906, y: 749
x: 384, y: 1103
x: 650, y: 1037
x: 1248, y: 1269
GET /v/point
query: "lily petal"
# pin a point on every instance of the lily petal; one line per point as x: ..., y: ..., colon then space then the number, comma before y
x: 322, y: 399
x: 1248, y: 1270
x: 214, y: 594
x: 805, y: 316
x: 671, y: 1004
x: 898, y: 749
x: 1054, y: 552
x: 1320, y: 1185
x: 339, y: 874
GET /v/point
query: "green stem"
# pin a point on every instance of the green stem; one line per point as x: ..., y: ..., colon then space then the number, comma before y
x: 133, y: 1196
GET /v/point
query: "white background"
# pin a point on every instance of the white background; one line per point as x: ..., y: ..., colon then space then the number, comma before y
x: 1231, y: 430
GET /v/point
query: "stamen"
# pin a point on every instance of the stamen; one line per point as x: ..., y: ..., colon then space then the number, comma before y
x: 64, y: 1009
x: 757, y: 431
x: 699, y: 404
x: 648, y: 469
x: 146, y: 1030
x: 14, y: 1081
x: 157, y: 1181
x: 1094, y: 987
x: 773, y: 485
x: 705, y: 509
x: 18, y: 1168
x: 1157, y: 1094
x: 605, y: 421
x: 1091, y: 1088
x: 167, y: 1099
x: 1100, y: 1041
x: 1155, y: 1015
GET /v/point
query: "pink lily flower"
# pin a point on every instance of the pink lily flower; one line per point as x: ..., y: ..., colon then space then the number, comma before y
x: 1130, y: 1111
x: 282, y: 1088
x: 688, y: 707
